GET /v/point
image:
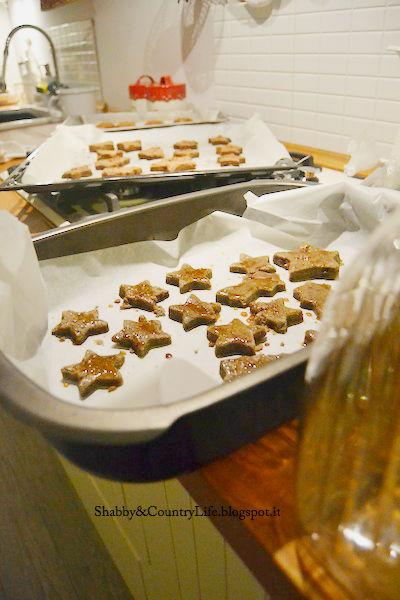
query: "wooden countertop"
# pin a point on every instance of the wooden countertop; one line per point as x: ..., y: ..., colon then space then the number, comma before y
x: 16, y: 205
x: 260, y: 475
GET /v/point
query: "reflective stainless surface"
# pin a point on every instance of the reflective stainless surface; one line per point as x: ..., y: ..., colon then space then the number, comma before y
x: 24, y: 116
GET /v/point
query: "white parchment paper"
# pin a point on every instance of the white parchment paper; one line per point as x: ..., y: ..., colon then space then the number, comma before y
x: 338, y: 216
x: 23, y: 303
x: 68, y: 147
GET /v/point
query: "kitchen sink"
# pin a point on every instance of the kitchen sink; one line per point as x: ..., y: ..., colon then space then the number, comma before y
x: 24, y: 116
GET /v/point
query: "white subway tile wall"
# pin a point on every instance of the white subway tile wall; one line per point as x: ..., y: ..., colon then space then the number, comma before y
x: 318, y: 71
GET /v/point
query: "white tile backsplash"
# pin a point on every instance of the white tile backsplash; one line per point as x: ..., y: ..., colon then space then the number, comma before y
x: 317, y: 70
x: 392, y: 18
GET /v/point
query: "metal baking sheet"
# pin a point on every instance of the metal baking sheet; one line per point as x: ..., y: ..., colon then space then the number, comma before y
x: 176, y: 437
x: 148, y: 443
x: 68, y: 147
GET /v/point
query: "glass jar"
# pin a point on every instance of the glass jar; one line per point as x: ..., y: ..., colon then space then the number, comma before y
x: 348, y: 485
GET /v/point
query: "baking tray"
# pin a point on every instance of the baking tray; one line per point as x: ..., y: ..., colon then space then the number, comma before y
x: 200, y: 179
x: 144, y: 444
x: 263, y: 154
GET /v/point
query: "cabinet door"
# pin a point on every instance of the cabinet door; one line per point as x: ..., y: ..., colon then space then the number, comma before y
x: 168, y: 556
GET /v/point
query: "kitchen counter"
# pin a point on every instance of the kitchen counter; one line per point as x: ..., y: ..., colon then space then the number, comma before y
x: 259, y: 475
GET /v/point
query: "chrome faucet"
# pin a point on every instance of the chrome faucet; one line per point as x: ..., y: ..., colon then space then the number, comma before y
x: 3, y: 86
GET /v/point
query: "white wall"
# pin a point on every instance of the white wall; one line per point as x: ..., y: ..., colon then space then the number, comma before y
x: 133, y: 37
x: 149, y: 37
x: 316, y: 70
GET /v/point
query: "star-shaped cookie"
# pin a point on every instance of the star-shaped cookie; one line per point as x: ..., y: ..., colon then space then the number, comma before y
x: 108, y: 163
x: 235, y: 338
x: 108, y: 145
x: 276, y: 315
x: 109, y: 153
x: 231, y: 368
x: 142, y: 336
x: 121, y: 171
x: 151, y: 153
x: 188, y: 278
x: 231, y: 160
x: 130, y: 146
x: 174, y: 165
x: 251, y: 288
x: 251, y: 264
x: 79, y: 325
x: 186, y: 145
x: 143, y: 295
x: 77, y: 173
x: 194, y: 312
x: 229, y: 149
x: 95, y: 371
x: 313, y: 296
x: 309, y: 262
x: 186, y: 153
x: 219, y: 140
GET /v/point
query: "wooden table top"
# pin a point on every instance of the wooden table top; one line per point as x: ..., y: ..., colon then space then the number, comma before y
x: 259, y: 475
x: 16, y: 205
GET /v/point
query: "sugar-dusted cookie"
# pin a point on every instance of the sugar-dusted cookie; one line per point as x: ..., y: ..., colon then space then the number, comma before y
x: 173, y: 165
x: 141, y: 336
x: 186, y: 145
x: 95, y: 371
x: 312, y: 295
x: 151, y: 153
x: 310, y: 336
x: 186, y: 153
x: 188, y: 278
x: 235, y: 338
x: 143, y: 295
x: 183, y: 120
x: 79, y: 325
x: 108, y: 163
x: 78, y: 173
x: 251, y: 288
x: 231, y: 368
x: 229, y: 149
x: 153, y: 122
x: 309, y: 262
x: 131, y: 146
x: 251, y: 264
x: 108, y: 145
x: 194, y: 312
x: 276, y: 315
x: 231, y: 160
x: 121, y: 171
x: 219, y: 140
x: 109, y: 153
x: 105, y: 125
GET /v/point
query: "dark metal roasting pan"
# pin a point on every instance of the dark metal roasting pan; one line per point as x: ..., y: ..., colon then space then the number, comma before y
x: 143, y: 444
